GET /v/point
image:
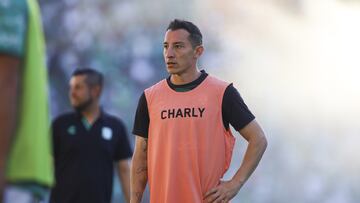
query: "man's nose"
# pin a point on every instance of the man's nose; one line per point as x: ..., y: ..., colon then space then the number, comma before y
x: 169, y: 53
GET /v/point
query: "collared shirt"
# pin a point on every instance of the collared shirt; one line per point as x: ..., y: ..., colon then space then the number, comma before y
x: 84, y: 155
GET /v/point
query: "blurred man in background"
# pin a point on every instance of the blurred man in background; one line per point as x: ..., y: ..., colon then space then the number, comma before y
x: 87, y: 143
x: 25, y: 146
x: 184, y: 143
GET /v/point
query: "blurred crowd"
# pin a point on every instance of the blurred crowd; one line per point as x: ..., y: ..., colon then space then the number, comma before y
x: 124, y: 38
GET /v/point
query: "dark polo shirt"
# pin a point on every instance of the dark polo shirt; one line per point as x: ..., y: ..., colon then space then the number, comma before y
x: 84, y: 157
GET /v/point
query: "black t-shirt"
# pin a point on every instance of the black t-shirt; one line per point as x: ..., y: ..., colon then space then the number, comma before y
x: 84, y: 157
x: 234, y: 109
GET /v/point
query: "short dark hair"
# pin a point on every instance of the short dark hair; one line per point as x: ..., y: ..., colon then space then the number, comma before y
x: 195, y: 36
x: 93, y: 77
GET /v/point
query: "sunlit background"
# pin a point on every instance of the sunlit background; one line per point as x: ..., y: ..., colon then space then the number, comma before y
x: 296, y: 63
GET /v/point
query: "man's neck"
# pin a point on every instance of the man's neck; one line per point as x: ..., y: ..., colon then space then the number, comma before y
x: 185, y: 78
x: 91, y: 113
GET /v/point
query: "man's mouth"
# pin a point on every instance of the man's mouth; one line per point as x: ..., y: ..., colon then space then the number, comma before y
x: 170, y: 63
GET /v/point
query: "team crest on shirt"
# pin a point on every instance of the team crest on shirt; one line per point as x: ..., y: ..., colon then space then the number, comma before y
x: 106, y: 133
x: 71, y: 130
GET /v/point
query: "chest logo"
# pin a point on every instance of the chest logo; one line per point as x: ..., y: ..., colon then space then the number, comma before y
x: 106, y: 133
x: 71, y: 130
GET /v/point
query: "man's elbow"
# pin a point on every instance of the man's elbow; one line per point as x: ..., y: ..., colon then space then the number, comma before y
x: 259, y: 141
x: 262, y: 142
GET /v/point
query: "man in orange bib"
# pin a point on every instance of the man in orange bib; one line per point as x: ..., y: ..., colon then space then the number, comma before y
x: 183, y: 141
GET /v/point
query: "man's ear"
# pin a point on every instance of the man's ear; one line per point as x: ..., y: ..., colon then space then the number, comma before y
x: 198, y: 51
x: 96, y: 91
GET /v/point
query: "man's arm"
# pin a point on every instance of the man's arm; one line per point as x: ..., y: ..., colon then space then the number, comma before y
x: 9, y: 87
x: 139, y: 170
x: 256, y: 148
x: 124, y: 176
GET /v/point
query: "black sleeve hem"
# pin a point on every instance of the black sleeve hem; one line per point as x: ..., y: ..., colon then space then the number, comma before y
x: 240, y: 127
x: 123, y: 150
x: 128, y: 156
x: 234, y: 109
x: 140, y: 133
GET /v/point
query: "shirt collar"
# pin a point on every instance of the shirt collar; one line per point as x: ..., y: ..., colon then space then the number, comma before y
x: 101, y: 117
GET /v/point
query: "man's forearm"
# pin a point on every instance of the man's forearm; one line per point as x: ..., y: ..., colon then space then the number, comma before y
x: 8, y: 104
x: 252, y: 157
x: 7, y: 129
x: 138, y: 182
x: 227, y: 190
x: 139, y: 171
x: 7, y: 123
x: 124, y: 176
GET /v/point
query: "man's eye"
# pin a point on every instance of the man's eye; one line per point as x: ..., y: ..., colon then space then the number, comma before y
x: 178, y: 46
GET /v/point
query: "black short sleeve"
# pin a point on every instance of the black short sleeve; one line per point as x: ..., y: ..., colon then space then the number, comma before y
x: 123, y: 150
x: 142, y: 119
x: 234, y: 109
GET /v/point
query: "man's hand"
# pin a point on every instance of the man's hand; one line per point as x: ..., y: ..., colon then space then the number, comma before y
x: 224, y: 192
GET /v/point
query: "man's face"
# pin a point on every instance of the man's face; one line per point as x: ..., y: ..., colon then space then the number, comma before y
x: 178, y: 52
x: 79, y: 93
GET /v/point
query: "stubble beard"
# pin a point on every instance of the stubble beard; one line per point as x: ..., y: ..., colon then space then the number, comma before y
x: 84, y: 105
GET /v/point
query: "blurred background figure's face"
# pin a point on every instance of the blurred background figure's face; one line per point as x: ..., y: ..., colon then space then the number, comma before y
x: 79, y: 93
x: 178, y: 51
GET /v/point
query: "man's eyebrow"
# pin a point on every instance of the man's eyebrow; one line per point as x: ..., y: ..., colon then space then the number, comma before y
x: 180, y: 42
